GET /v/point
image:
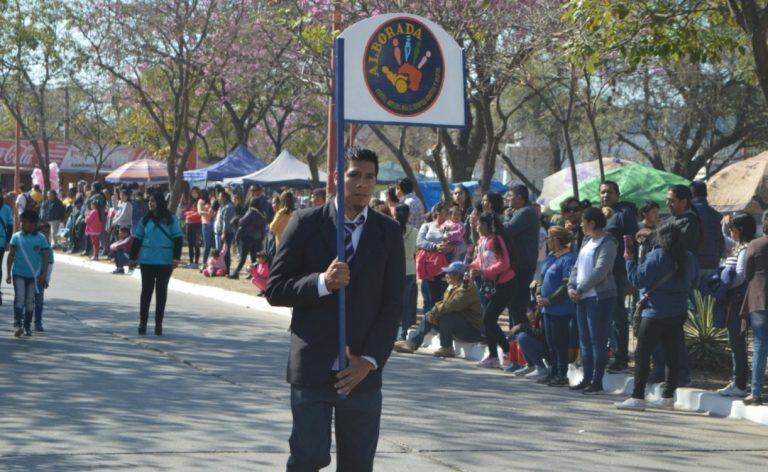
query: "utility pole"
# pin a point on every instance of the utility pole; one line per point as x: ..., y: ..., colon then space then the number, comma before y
x: 330, y: 186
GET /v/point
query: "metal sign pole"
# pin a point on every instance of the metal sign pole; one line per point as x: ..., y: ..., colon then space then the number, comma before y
x: 340, y: 250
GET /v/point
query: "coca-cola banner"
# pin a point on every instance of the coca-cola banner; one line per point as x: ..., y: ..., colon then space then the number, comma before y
x: 71, y: 159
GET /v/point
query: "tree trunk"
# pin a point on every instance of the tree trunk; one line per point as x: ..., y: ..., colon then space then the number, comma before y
x: 397, y: 151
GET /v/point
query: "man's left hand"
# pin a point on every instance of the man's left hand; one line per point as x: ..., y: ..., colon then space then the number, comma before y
x: 356, y: 371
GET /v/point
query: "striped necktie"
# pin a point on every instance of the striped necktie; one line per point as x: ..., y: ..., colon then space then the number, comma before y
x: 349, y: 228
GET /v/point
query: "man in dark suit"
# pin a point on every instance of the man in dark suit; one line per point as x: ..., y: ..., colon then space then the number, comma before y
x: 305, y: 276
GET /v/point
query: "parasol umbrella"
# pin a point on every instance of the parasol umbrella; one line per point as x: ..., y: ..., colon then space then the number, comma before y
x: 741, y: 186
x: 561, y: 180
x: 638, y: 184
x: 146, y: 171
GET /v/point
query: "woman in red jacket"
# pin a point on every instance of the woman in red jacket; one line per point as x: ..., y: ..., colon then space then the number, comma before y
x: 495, y: 263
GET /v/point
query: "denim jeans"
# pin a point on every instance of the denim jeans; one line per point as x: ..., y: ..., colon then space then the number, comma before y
x: 208, y: 242
x: 39, y: 302
x: 23, y: 300
x: 455, y: 325
x: 121, y: 258
x: 533, y: 349
x: 557, y: 329
x: 594, y: 318
x: 759, y: 323
x: 357, y: 420
x: 427, y: 300
x: 408, y: 314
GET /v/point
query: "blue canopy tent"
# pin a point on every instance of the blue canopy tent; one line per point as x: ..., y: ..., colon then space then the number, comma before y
x: 239, y: 162
x: 431, y: 189
x: 284, y: 171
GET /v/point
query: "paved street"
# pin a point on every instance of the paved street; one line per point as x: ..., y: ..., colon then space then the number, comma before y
x: 91, y: 395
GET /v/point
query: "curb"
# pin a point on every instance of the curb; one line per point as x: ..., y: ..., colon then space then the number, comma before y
x: 686, y: 399
x: 227, y: 296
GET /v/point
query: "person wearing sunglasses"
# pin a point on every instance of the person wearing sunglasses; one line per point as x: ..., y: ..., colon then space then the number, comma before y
x: 570, y: 208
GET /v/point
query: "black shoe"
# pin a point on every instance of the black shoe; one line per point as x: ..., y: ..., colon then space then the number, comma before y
x: 579, y: 386
x: 158, y: 330
x: 27, y: 332
x: 617, y: 367
x: 558, y: 382
x: 544, y: 381
x: 233, y: 276
x: 39, y: 328
x: 593, y: 389
x: 119, y: 271
x: 1, y: 299
x: 142, y: 330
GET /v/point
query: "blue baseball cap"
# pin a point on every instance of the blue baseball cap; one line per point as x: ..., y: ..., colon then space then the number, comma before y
x: 456, y: 267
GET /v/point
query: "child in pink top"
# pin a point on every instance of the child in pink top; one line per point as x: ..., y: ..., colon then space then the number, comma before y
x: 93, y: 228
x: 453, y: 231
x: 216, y: 266
x: 260, y: 272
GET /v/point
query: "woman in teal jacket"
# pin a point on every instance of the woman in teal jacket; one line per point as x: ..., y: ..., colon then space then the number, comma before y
x: 156, y: 247
x: 6, y: 231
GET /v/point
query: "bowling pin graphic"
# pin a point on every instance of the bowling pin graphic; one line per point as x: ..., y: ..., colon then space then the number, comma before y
x: 397, y: 52
x: 407, y: 48
x: 424, y: 59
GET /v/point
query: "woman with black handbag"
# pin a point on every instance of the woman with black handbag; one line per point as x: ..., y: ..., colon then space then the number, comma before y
x: 495, y: 262
x: 664, y: 278
x: 156, y: 247
x: 738, y: 232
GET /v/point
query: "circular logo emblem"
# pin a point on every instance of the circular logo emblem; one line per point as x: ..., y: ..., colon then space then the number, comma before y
x: 403, y: 67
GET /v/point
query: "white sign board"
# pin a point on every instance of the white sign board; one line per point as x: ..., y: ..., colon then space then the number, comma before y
x: 402, y: 69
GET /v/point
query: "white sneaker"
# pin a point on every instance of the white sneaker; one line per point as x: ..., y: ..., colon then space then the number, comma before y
x: 525, y: 370
x: 631, y: 404
x: 731, y: 390
x: 489, y: 363
x: 663, y: 403
x: 537, y: 373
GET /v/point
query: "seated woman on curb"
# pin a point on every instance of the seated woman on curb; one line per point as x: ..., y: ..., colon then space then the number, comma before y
x: 664, y: 278
x: 456, y: 315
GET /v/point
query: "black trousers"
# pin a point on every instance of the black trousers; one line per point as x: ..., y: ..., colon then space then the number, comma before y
x: 357, y: 422
x: 247, y: 246
x: 154, y: 278
x: 668, y: 332
x: 194, y: 235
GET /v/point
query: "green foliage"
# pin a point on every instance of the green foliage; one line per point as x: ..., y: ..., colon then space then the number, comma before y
x: 706, y: 343
x: 700, y: 30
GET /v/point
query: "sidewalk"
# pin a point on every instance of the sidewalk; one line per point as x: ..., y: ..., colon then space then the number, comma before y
x: 686, y: 399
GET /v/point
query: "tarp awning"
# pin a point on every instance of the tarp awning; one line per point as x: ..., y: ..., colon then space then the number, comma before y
x: 239, y: 162
x: 638, y: 184
x: 284, y: 171
x: 741, y: 186
x: 432, y: 192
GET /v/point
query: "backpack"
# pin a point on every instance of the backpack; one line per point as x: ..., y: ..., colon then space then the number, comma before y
x: 29, y: 202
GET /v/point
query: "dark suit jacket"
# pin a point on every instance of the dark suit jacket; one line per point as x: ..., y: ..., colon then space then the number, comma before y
x: 374, y: 297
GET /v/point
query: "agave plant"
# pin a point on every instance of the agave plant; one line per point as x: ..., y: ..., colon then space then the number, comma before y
x: 707, y: 344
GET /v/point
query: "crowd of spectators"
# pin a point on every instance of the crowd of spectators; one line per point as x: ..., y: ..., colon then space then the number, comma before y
x: 573, y: 284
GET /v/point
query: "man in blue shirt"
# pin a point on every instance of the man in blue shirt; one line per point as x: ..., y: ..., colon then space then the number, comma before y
x: 622, y: 223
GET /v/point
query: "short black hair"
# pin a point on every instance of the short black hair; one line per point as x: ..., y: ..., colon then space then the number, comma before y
x: 520, y: 191
x: 564, y: 204
x: 682, y: 192
x: 30, y: 216
x: 356, y: 153
x: 699, y: 188
x: 319, y: 192
x: 406, y: 185
x: 496, y: 201
x: 646, y: 208
x: 746, y: 224
x: 613, y: 184
x: 596, y: 215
